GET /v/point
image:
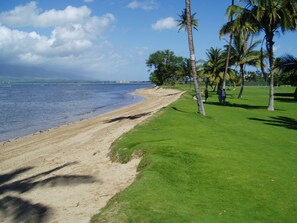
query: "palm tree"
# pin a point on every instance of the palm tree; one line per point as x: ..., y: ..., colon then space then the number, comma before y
x: 269, y: 16
x: 182, y: 22
x: 288, y: 66
x: 186, y: 70
x: 228, y: 53
x: 287, y: 63
x: 189, y: 27
x: 243, y: 53
x: 213, y: 67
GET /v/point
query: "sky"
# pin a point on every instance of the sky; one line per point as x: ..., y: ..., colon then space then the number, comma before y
x: 105, y: 39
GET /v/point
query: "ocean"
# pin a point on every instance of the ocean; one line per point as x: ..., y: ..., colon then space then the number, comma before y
x: 33, y: 107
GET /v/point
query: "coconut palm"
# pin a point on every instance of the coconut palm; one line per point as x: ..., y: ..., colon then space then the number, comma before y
x: 213, y: 67
x: 243, y: 53
x: 287, y: 63
x: 242, y: 29
x: 186, y: 70
x: 268, y: 16
x: 189, y: 26
x: 228, y: 52
x: 288, y: 66
x: 182, y: 22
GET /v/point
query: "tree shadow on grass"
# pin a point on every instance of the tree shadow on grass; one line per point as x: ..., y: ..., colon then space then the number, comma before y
x: 287, y: 100
x: 16, y: 209
x: 178, y: 110
x: 281, y: 121
x: 284, y: 94
x: 245, y: 106
x: 285, y: 97
x: 131, y: 117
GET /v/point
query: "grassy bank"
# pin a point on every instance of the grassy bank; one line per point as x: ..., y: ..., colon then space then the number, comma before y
x: 238, y: 164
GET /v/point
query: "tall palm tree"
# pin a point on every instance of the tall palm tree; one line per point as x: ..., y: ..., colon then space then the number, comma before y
x: 269, y: 16
x: 238, y: 27
x: 228, y: 52
x: 182, y: 24
x: 189, y: 28
x: 243, y: 53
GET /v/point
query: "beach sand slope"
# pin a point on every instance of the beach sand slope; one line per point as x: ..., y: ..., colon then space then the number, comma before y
x: 64, y: 174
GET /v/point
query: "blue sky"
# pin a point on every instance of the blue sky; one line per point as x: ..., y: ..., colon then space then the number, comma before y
x: 104, y: 39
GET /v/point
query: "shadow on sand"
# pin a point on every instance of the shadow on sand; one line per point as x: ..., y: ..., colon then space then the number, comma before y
x: 167, y: 95
x: 131, y: 117
x: 17, y: 209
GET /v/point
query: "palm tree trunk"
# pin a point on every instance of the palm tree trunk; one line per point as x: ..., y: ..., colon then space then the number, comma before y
x: 190, y: 83
x: 227, y: 61
x: 262, y: 63
x: 242, y: 81
x: 193, y: 59
x: 228, y: 55
x: 206, y: 83
x: 271, y: 88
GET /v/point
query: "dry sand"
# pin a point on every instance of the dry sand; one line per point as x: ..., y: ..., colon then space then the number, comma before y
x: 64, y: 174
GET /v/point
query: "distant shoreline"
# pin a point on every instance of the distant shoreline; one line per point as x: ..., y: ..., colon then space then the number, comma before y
x: 70, y: 82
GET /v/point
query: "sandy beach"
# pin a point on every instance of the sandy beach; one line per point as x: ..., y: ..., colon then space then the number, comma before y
x: 64, y: 174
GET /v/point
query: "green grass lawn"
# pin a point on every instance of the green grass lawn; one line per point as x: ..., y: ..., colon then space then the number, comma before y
x: 237, y: 164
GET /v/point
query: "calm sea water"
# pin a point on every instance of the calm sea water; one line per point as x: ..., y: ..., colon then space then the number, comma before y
x: 29, y: 108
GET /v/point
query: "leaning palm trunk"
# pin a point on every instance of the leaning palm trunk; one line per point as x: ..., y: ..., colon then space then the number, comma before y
x: 193, y: 60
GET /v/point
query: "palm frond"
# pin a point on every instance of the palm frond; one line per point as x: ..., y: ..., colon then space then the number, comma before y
x: 182, y: 21
x: 287, y: 63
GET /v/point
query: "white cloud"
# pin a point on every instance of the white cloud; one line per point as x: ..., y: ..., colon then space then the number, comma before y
x: 74, y: 44
x: 146, y: 5
x: 18, y: 47
x: 31, y: 15
x: 166, y: 23
x: 63, y: 52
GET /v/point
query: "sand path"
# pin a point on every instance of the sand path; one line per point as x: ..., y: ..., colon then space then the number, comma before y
x: 65, y: 174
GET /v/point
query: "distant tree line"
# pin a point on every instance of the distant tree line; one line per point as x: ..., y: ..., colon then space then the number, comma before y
x: 168, y: 69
